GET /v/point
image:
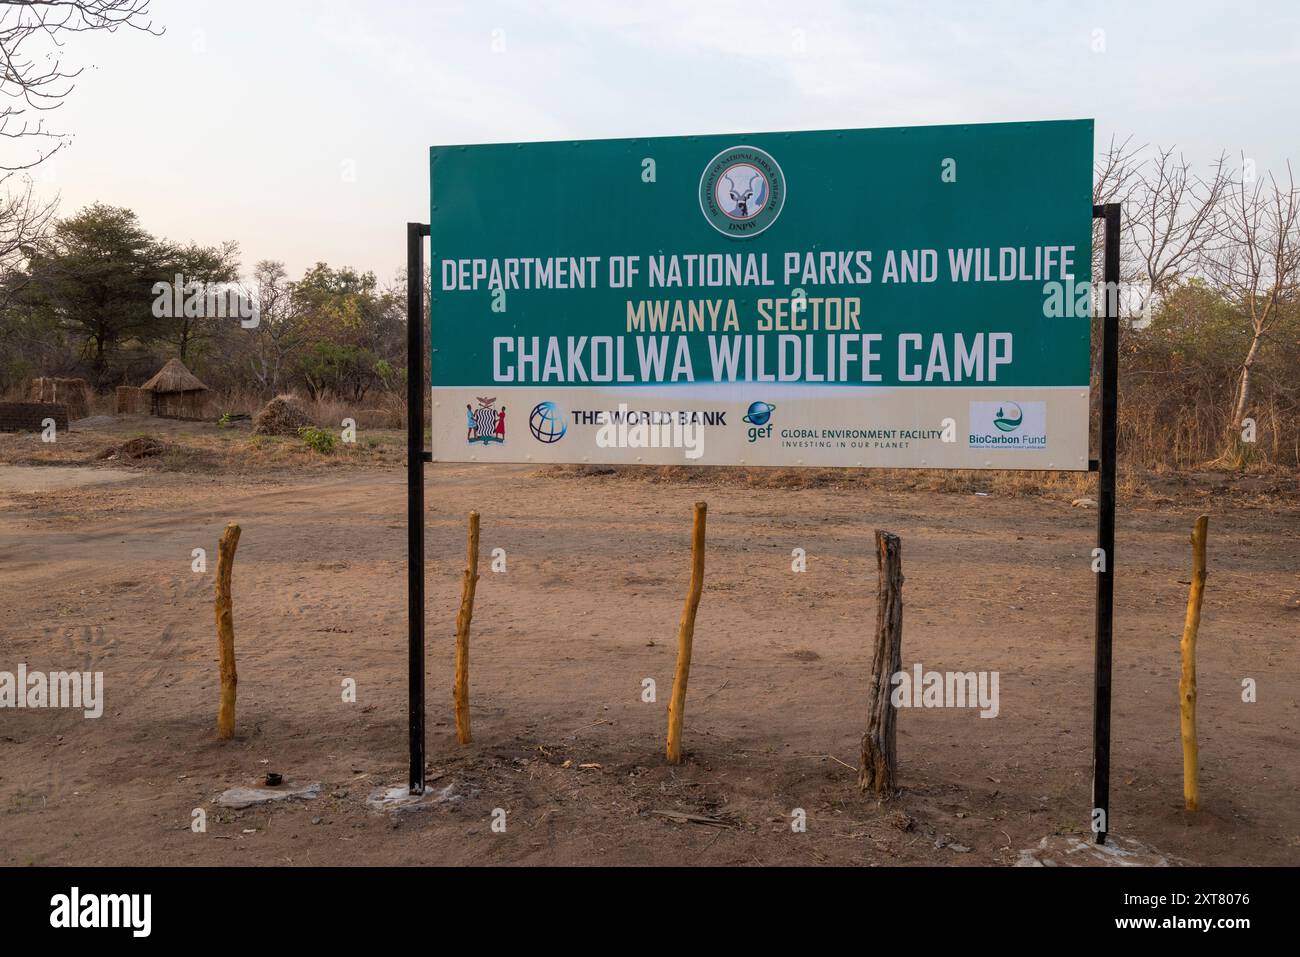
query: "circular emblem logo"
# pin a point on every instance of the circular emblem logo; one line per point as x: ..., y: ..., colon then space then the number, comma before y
x: 547, y: 423
x: 1009, y: 417
x: 742, y: 191
x: 759, y: 413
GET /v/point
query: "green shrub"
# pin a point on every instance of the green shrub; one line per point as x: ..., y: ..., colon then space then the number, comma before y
x: 318, y: 440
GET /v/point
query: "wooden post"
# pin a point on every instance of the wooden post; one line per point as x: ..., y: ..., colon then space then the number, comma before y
x: 879, y: 745
x: 226, y: 631
x: 460, y: 689
x: 686, y: 637
x: 1187, y: 680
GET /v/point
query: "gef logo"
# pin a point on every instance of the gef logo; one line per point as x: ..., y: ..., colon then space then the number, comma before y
x: 758, y: 417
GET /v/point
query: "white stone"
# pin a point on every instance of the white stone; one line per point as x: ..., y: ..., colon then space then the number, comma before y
x: 238, y: 798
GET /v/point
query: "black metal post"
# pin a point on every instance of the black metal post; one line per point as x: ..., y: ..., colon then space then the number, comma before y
x: 415, y: 458
x: 1106, y: 522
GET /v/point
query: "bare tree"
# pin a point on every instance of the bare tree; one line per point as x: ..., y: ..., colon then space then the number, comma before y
x: 1115, y: 176
x: 1115, y: 173
x: 1172, y: 216
x: 1256, y: 264
x: 34, y: 80
x: 25, y: 219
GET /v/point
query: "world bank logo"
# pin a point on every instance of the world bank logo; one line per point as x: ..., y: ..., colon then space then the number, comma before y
x: 1008, y: 417
x: 547, y: 423
x: 742, y: 191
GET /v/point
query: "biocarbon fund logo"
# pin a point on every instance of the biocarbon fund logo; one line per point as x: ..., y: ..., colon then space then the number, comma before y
x: 742, y: 191
x: 1008, y: 425
x: 1008, y: 417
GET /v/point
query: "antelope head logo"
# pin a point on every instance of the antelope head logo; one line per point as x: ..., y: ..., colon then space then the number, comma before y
x: 742, y: 198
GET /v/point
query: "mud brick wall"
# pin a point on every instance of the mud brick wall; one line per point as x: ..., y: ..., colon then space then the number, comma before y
x: 28, y: 416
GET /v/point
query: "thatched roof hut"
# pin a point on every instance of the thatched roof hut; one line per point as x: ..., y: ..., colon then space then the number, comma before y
x: 176, y: 392
x: 174, y: 377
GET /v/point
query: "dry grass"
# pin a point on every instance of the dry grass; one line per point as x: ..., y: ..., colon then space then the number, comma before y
x: 1132, y: 482
x: 376, y: 411
x: 932, y: 480
x: 199, y: 446
x: 1162, y: 433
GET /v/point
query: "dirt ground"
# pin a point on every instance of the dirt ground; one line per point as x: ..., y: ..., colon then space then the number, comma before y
x: 95, y: 574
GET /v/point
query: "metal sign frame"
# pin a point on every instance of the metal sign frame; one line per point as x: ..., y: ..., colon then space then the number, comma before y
x: 1104, y: 466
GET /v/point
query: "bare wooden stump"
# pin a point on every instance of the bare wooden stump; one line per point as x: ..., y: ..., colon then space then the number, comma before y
x: 226, y: 631
x: 686, y: 638
x: 1187, y: 679
x: 460, y: 689
x: 878, y: 767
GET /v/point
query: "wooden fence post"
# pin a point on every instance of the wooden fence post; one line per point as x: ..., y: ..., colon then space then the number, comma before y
x: 686, y: 637
x: 460, y: 689
x: 879, y: 762
x: 226, y: 631
x: 1187, y: 679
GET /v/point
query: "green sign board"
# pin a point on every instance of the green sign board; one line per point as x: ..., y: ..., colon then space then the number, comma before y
x: 911, y: 297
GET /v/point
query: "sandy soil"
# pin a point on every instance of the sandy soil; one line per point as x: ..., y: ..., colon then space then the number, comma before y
x: 96, y: 575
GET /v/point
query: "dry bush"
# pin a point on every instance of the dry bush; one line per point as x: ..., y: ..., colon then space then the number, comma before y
x: 283, y: 415
x: 1177, y: 380
x: 148, y: 450
x: 140, y: 447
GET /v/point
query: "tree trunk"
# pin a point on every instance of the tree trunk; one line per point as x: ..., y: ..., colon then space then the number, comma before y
x: 686, y: 637
x: 1187, y: 677
x: 1235, y: 444
x: 879, y: 745
x: 460, y: 686
x: 97, y: 364
x: 1243, y: 383
x: 226, y: 630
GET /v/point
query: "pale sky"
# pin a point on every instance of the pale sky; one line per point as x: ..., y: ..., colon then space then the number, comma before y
x: 300, y: 128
